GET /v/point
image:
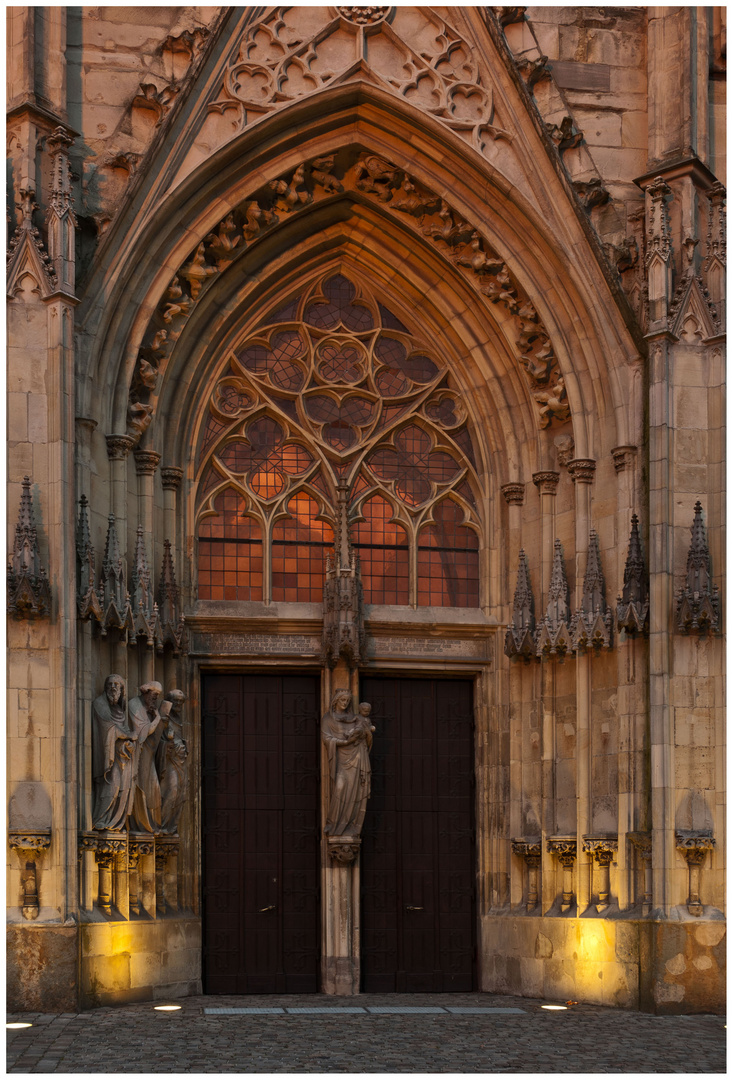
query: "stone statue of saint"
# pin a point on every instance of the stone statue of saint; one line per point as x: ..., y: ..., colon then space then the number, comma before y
x: 147, y: 729
x: 114, y: 757
x: 171, y: 757
x: 348, y: 740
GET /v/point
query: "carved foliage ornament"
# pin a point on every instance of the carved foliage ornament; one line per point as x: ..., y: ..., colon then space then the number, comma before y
x: 323, y: 178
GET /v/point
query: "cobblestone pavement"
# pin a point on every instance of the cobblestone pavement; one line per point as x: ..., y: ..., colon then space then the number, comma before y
x: 585, y: 1038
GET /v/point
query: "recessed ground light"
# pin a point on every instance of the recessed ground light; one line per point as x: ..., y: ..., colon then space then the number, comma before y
x: 166, y: 1008
x: 554, y: 1007
x: 14, y: 1026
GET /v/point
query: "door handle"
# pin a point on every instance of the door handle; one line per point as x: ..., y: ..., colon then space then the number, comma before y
x: 411, y: 907
x: 270, y: 908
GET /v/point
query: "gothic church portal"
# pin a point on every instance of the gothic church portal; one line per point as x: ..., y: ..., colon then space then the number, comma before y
x: 375, y: 350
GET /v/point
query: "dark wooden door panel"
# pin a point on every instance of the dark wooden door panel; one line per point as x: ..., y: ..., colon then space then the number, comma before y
x: 260, y: 833
x: 418, y: 847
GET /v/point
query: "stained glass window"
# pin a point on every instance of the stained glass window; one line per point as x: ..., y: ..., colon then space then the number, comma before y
x: 333, y: 389
x: 447, y: 560
x: 384, y: 555
x: 229, y: 552
x: 299, y: 547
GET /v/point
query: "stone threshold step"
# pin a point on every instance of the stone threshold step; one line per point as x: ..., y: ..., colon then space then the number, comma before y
x: 456, y: 1010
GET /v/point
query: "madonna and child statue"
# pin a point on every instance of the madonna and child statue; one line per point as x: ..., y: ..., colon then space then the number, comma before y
x: 347, y: 737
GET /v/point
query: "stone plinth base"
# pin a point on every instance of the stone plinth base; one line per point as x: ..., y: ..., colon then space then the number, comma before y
x: 41, y: 968
x: 662, y: 967
x: 139, y: 961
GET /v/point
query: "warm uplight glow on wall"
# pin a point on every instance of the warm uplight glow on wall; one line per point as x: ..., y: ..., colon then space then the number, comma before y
x: 555, y: 1008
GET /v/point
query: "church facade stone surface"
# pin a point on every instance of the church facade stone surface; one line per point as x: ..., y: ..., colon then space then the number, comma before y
x: 373, y: 350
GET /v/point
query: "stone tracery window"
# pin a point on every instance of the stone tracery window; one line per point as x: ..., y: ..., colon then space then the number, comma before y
x: 333, y: 390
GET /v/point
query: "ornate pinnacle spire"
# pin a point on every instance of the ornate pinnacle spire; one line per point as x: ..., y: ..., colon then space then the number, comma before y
x: 593, y: 584
x: 698, y: 603
x: 87, y: 598
x: 25, y: 549
x: 113, y: 574
x: 141, y: 594
x: 558, y: 599
x: 519, y: 638
x: 632, y: 609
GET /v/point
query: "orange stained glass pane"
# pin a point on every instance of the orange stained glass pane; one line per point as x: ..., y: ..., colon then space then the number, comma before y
x: 299, y: 546
x: 383, y: 552
x: 447, y: 560
x: 229, y: 552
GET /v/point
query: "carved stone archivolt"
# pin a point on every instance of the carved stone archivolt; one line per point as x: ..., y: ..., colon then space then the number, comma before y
x: 29, y: 590
x: 362, y: 175
x: 347, y: 737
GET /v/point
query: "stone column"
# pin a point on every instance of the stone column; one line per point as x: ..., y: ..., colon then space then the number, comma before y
x: 546, y: 483
x: 694, y: 848
x: 531, y: 852
x: 146, y: 462
x: 171, y: 477
x: 582, y: 471
x: 642, y: 842
x: 602, y: 849
x: 566, y: 849
x: 340, y: 954
x: 519, y: 685
x: 118, y: 449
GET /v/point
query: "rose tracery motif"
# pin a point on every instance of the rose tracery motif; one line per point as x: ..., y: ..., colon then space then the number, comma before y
x: 413, y: 466
x: 266, y: 459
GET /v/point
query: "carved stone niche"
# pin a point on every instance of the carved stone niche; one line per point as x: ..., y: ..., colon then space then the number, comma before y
x: 642, y: 842
x: 694, y: 847
x: 565, y: 849
x: 531, y: 852
x: 602, y: 849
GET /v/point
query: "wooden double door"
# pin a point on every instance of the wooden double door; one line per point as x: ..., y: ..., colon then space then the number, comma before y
x: 261, y: 836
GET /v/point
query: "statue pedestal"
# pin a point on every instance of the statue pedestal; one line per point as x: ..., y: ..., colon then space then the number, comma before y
x: 340, y: 963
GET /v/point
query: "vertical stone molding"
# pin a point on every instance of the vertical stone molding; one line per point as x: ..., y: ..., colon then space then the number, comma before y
x: 87, y: 598
x: 553, y: 634
x: 531, y: 852
x: 171, y: 622
x: 582, y: 470
x: 698, y: 601
x: 632, y: 608
x: 144, y: 607
x: 29, y: 590
x: 519, y: 638
x: 602, y: 849
x: 565, y: 849
x: 642, y: 843
x: 29, y: 846
x: 694, y: 848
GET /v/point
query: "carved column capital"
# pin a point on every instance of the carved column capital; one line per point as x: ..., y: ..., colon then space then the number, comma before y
x: 529, y: 850
x: 582, y: 470
x: 146, y: 462
x: 623, y: 457
x: 564, y: 847
x: 171, y: 476
x: 119, y: 446
x: 694, y: 846
x: 29, y: 839
x: 601, y: 848
x: 343, y: 849
x: 513, y: 494
x: 546, y: 482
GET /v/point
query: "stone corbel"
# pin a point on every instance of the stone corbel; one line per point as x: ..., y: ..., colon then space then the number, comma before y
x: 694, y: 848
x: 603, y: 850
x: 343, y: 849
x: 565, y: 849
x: 642, y: 842
x: 531, y: 852
x: 30, y: 846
